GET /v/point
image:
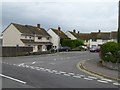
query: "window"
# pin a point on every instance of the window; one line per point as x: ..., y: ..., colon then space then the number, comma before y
x: 25, y: 36
x: 47, y: 38
x: 39, y: 37
x: 94, y: 40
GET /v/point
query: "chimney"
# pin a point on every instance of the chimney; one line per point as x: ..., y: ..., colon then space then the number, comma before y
x: 38, y: 25
x: 78, y: 32
x: 99, y: 31
x: 74, y: 30
x: 59, y: 28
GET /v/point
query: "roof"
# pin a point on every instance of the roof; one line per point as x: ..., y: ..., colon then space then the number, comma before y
x: 60, y: 33
x: 33, y: 42
x: 100, y: 35
x: 28, y: 29
x: 83, y: 36
x: 95, y: 35
x: 113, y: 35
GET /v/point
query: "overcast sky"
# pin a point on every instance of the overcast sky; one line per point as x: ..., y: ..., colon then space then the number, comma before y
x: 82, y: 15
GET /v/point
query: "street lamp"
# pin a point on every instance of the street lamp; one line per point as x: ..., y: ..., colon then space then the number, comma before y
x: 119, y: 22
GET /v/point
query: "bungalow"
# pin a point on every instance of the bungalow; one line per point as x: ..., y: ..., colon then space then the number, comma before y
x: 56, y: 35
x: 27, y: 35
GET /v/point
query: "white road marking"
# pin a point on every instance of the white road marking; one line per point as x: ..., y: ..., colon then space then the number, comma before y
x: 102, y: 81
x: 14, y: 64
x: 107, y: 80
x: 77, y: 76
x: 36, y: 67
x: 71, y: 73
x: 54, y: 70
x: 88, y: 79
x: 50, y: 71
x: 66, y: 74
x: 57, y: 73
x: 62, y: 72
x: 118, y: 84
x: 42, y: 68
x: 81, y: 75
x: 27, y: 66
x: 92, y: 77
x: 21, y: 64
x: 47, y: 69
x: 32, y: 67
x: 33, y: 62
x: 12, y: 78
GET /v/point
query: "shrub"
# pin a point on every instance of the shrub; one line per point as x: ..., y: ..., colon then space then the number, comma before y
x: 109, y: 52
x: 71, y: 43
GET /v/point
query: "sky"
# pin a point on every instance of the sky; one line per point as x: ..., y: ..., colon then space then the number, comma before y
x: 83, y: 15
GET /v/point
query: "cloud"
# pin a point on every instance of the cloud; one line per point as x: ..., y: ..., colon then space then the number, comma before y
x: 83, y: 16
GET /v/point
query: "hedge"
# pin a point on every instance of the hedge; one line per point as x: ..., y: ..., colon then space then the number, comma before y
x: 110, y: 52
x: 71, y: 43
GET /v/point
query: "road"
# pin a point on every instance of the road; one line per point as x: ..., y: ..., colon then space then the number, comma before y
x: 50, y: 71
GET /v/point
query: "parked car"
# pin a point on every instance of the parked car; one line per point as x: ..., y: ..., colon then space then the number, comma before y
x: 95, y: 49
x: 83, y: 48
x: 65, y: 48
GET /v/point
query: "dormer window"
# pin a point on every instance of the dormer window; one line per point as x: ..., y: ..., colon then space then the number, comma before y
x: 39, y: 37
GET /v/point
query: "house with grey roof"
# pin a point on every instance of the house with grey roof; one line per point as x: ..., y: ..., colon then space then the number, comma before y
x: 27, y: 35
x: 57, y: 35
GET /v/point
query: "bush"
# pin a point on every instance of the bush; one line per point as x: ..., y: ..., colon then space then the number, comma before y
x: 71, y: 43
x: 110, y: 52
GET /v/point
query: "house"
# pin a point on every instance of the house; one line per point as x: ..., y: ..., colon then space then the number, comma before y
x: 99, y: 38
x: 113, y: 36
x: 77, y: 35
x: 27, y: 35
x: 94, y: 38
x: 57, y: 35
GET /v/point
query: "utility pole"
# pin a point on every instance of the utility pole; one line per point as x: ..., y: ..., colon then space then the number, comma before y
x: 119, y: 22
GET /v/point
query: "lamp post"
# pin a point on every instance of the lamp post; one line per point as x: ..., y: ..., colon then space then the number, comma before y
x: 118, y: 23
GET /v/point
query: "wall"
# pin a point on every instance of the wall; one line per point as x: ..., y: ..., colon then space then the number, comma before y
x: 11, y: 37
x: 99, y: 41
x: 55, y: 39
x: 16, y: 51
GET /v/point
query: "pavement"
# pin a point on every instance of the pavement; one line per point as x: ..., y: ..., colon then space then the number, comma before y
x: 95, y: 68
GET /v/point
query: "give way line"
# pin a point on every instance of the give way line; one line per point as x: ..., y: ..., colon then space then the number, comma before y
x: 13, y: 79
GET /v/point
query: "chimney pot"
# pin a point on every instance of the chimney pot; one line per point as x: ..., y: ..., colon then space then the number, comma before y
x: 99, y: 31
x: 74, y: 30
x: 38, y: 25
x: 59, y: 28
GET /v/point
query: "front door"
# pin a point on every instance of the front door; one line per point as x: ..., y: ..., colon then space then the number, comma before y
x: 39, y: 47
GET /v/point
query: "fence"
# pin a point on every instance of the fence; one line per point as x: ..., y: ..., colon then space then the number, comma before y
x: 15, y: 51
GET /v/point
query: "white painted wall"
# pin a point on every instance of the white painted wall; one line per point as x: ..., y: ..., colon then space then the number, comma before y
x: 95, y: 43
x: 11, y: 37
x: 72, y: 37
x: 55, y: 38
